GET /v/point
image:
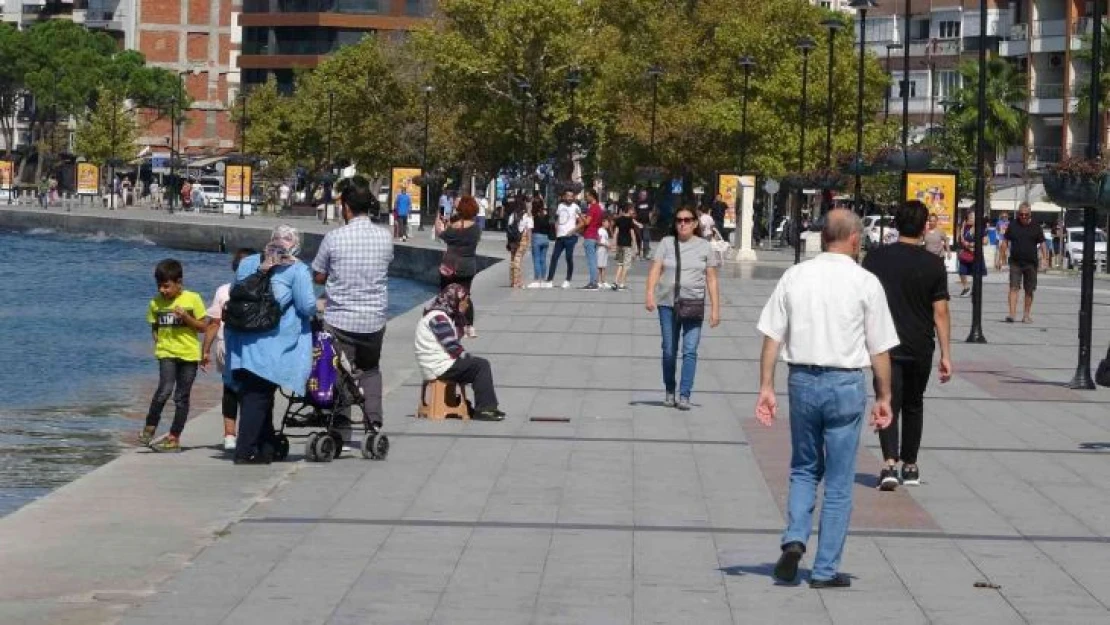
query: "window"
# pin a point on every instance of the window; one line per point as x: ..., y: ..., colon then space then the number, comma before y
x: 902, y: 89
x: 948, y: 83
x: 949, y: 30
x: 922, y: 30
x: 416, y: 8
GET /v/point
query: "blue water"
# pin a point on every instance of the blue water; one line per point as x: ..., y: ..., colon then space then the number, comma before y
x: 77, y: 371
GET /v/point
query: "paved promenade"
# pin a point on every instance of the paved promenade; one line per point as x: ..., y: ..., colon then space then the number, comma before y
x: 629, y: 513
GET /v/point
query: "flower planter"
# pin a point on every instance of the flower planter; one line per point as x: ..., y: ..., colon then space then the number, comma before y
x: 1074, y: 190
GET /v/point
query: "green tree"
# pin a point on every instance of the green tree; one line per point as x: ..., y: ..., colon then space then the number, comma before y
x: 108, y: 131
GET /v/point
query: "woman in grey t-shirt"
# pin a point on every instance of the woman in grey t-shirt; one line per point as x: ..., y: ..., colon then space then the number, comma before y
x: 698, y: 276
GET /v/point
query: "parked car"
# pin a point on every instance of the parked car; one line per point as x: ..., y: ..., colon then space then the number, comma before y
x: 213, y: 191
x: 874, y: 227
x: 1073, y: 247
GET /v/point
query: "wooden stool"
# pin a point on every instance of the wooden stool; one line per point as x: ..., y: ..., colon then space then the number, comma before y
x: 440, y: 400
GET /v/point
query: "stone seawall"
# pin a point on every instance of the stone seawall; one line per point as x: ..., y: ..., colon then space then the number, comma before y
x: 415, y: 261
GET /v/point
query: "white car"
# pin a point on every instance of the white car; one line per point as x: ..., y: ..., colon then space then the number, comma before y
x: 875, y: 226
x: 1073, y: 247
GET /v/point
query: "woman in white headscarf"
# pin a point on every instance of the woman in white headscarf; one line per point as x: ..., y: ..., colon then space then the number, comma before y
x: 260, y: 362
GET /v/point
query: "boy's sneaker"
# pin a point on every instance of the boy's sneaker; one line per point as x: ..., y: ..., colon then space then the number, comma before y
x: 911, y: 476
x: 668, y: 401
x: 168, y: 444
x: 888, y: 478
x: 683, y: 403
x: 146, y: 436
x: 533, y: 285
x: 229, y: 442
x: 547, y: 285
x: 624, y: 287
x: 566, y: 284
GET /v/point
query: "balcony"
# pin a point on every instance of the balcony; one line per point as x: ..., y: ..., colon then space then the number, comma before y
x: 918, y: 106
x: 936, y: 47
x: 1048, y: 99
x: 1040, y: 157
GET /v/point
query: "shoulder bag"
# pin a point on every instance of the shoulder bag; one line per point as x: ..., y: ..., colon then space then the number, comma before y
x: 685, y: 309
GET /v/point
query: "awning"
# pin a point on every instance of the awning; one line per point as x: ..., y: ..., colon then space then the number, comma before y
x: 206, y: 161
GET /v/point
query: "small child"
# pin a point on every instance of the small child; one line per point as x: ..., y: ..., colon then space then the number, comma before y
x: 214, y: 335
x: 175, y: 317
x: 603, y: 250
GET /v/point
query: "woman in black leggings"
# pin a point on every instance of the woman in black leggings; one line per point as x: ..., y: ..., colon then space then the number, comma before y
x: 460, y: 262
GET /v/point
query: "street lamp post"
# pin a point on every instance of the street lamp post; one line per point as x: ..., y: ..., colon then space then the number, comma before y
x: 655, y: 72
x: 886, y: 102
x: 327, y: 177
x: 424, y: 188
x: 906, y: 84
x: 976, y: 333
x: 834, y: 26
x: 806, y: 45
x: 525, y: 90
x: 1082, y: 378
x: 112, y: 160
x: 243, y: 150
x: 861, y: 6
x: 574, y: 79
x: 746, y: 63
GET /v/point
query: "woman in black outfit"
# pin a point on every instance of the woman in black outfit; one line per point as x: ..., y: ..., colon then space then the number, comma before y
x: 460, y: 263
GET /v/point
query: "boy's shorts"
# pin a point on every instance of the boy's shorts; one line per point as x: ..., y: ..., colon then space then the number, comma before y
x: 625, y: 254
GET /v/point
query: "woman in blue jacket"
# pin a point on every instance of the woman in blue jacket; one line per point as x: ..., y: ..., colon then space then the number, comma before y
x: 260, y: 362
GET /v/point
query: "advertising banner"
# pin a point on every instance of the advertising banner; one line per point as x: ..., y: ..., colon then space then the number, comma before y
x: 88, y: 179
x: 937, y: 190
x: 6, y: 175
x: 404, y: 178
x: 237, y: 184
x: 728, y: 185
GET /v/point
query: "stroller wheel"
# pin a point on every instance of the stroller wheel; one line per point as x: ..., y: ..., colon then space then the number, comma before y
x: 310, y: 447
x: 375, y: 446
x: 281, y: 447
x: 324, y: 448
x: 338, y: 438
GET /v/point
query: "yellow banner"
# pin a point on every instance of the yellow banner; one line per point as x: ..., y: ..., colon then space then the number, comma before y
x: 728, y: 186
x: 938, y: 192
x: 6, y: 175
x: 237, y: 183
x: 88, y: 179
x: 403, y: 178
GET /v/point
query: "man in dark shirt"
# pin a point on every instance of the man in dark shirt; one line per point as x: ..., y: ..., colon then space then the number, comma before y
x: 626, y: 227
x: 1025, y: 243
x: 916, y: 285
x: 643, y: 217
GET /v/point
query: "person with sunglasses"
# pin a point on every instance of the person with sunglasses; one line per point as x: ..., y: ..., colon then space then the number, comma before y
x: 1024, y: 243
x: 682, y: 309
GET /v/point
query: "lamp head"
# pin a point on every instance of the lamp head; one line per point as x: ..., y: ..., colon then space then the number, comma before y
x: 833, y: 24
x: 746, y: 62
x: 805, y: 44
x: 656, y: 70
x: 574, y: 78
x: 862, y: 4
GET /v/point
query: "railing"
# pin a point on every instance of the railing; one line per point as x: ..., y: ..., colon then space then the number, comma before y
x: 1019, y: 32
x: 1048, y: 90
x: 1049, y: 28
x: 1081, y: 26
x: 370, y: 7
x: 1046, y: 155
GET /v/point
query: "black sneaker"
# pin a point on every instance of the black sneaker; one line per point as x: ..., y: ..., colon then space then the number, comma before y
x: 840, y: 580
x: 888, y: 479
x: 489, y: 415
x: 786, y: 569
x: 589, y: 287
x: 911, y: 476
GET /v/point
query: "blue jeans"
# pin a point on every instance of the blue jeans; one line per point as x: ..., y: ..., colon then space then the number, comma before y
x: 590, y: 248
x: 540, y: 243
x: 562, y: 244
x: 691, y: 336
x: 826, y: 413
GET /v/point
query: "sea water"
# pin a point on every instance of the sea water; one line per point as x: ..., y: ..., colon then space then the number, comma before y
x: 76, y: 363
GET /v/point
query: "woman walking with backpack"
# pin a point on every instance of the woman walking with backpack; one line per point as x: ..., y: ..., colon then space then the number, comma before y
x: 683, y: 272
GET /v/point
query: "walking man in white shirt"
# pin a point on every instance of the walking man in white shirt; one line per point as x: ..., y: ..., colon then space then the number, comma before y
x: 830, y: 318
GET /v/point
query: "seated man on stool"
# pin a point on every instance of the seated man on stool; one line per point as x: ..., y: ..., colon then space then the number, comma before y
x: 441, y: 356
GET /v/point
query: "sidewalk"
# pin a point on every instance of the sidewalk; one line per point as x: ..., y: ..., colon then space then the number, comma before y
x: 630, y: 512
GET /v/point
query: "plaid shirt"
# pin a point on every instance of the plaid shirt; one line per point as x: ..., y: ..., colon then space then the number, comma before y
x: 356, y: 258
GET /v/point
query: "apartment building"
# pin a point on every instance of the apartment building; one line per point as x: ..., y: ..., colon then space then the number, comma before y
x: 280, y: 36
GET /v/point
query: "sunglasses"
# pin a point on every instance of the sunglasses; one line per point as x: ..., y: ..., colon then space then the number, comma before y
x: 685, y: 220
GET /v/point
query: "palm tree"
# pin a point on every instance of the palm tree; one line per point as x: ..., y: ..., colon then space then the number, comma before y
x: 1005, y: 117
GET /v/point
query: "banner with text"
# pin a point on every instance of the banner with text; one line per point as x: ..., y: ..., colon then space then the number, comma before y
x: 6, y: 175
x: 88, y: 179
x: 937, y: 191
x: 404, y: 178
x: 237, y: 184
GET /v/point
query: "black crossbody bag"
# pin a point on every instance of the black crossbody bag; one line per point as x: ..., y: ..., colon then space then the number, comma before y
x: 685, y: 309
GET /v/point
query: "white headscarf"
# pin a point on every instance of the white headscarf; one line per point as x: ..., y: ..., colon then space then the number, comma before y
x: 284, y: 245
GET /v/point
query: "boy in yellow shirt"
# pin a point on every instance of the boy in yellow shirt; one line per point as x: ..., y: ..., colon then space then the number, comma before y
x: 175, y: 317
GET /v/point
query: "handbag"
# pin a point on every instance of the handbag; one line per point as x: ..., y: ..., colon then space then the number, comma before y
x: 685, y: 308
x: 966, y: 256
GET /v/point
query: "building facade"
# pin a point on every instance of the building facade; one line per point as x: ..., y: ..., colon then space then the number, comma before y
x: 1039, y: 37
x: 280, y: 36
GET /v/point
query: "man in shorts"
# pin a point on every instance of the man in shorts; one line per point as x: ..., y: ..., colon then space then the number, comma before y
x: 626, y: 227
x: 1024, y: 245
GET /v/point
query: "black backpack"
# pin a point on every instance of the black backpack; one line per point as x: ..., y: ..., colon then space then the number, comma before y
x: 251, y: 306
x: 512, y: 229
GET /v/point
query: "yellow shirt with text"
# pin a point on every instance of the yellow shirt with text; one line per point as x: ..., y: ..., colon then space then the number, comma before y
x: 175, y: 339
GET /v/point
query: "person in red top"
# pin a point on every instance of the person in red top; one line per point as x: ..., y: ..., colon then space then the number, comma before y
x: 594, y: 214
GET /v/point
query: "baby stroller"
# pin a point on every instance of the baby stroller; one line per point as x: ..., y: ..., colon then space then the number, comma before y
x: 326, y: 407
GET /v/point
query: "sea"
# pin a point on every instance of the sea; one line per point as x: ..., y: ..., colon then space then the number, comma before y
x: 76, y: 363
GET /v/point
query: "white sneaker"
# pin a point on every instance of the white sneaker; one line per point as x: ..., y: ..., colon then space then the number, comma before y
x: 533, y: 285
x: 547, y: 285
x: 566, y: 284
x: 471, y: 332
x: 229, y: 442
x: 603, y: 285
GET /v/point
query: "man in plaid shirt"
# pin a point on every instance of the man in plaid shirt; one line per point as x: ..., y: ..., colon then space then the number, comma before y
x: 353, y: 263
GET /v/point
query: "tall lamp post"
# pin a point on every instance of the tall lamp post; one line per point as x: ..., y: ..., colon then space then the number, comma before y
x: 655, y: 72
x: 243, y: 150
x: 806, y: 45
x: 833, y: 25
x: 525, y: 91
x: 861, y: 6
x: 906, y: 79
x: 1082, y: 378
x: 327, y: 177
x: 976, y: 333
x: 889, y: 92
x: 574, y: 79
x: 425, y: 190
x: 746, y: 63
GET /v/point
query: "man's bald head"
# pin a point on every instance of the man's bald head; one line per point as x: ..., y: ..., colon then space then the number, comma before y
x: 840, y: 225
